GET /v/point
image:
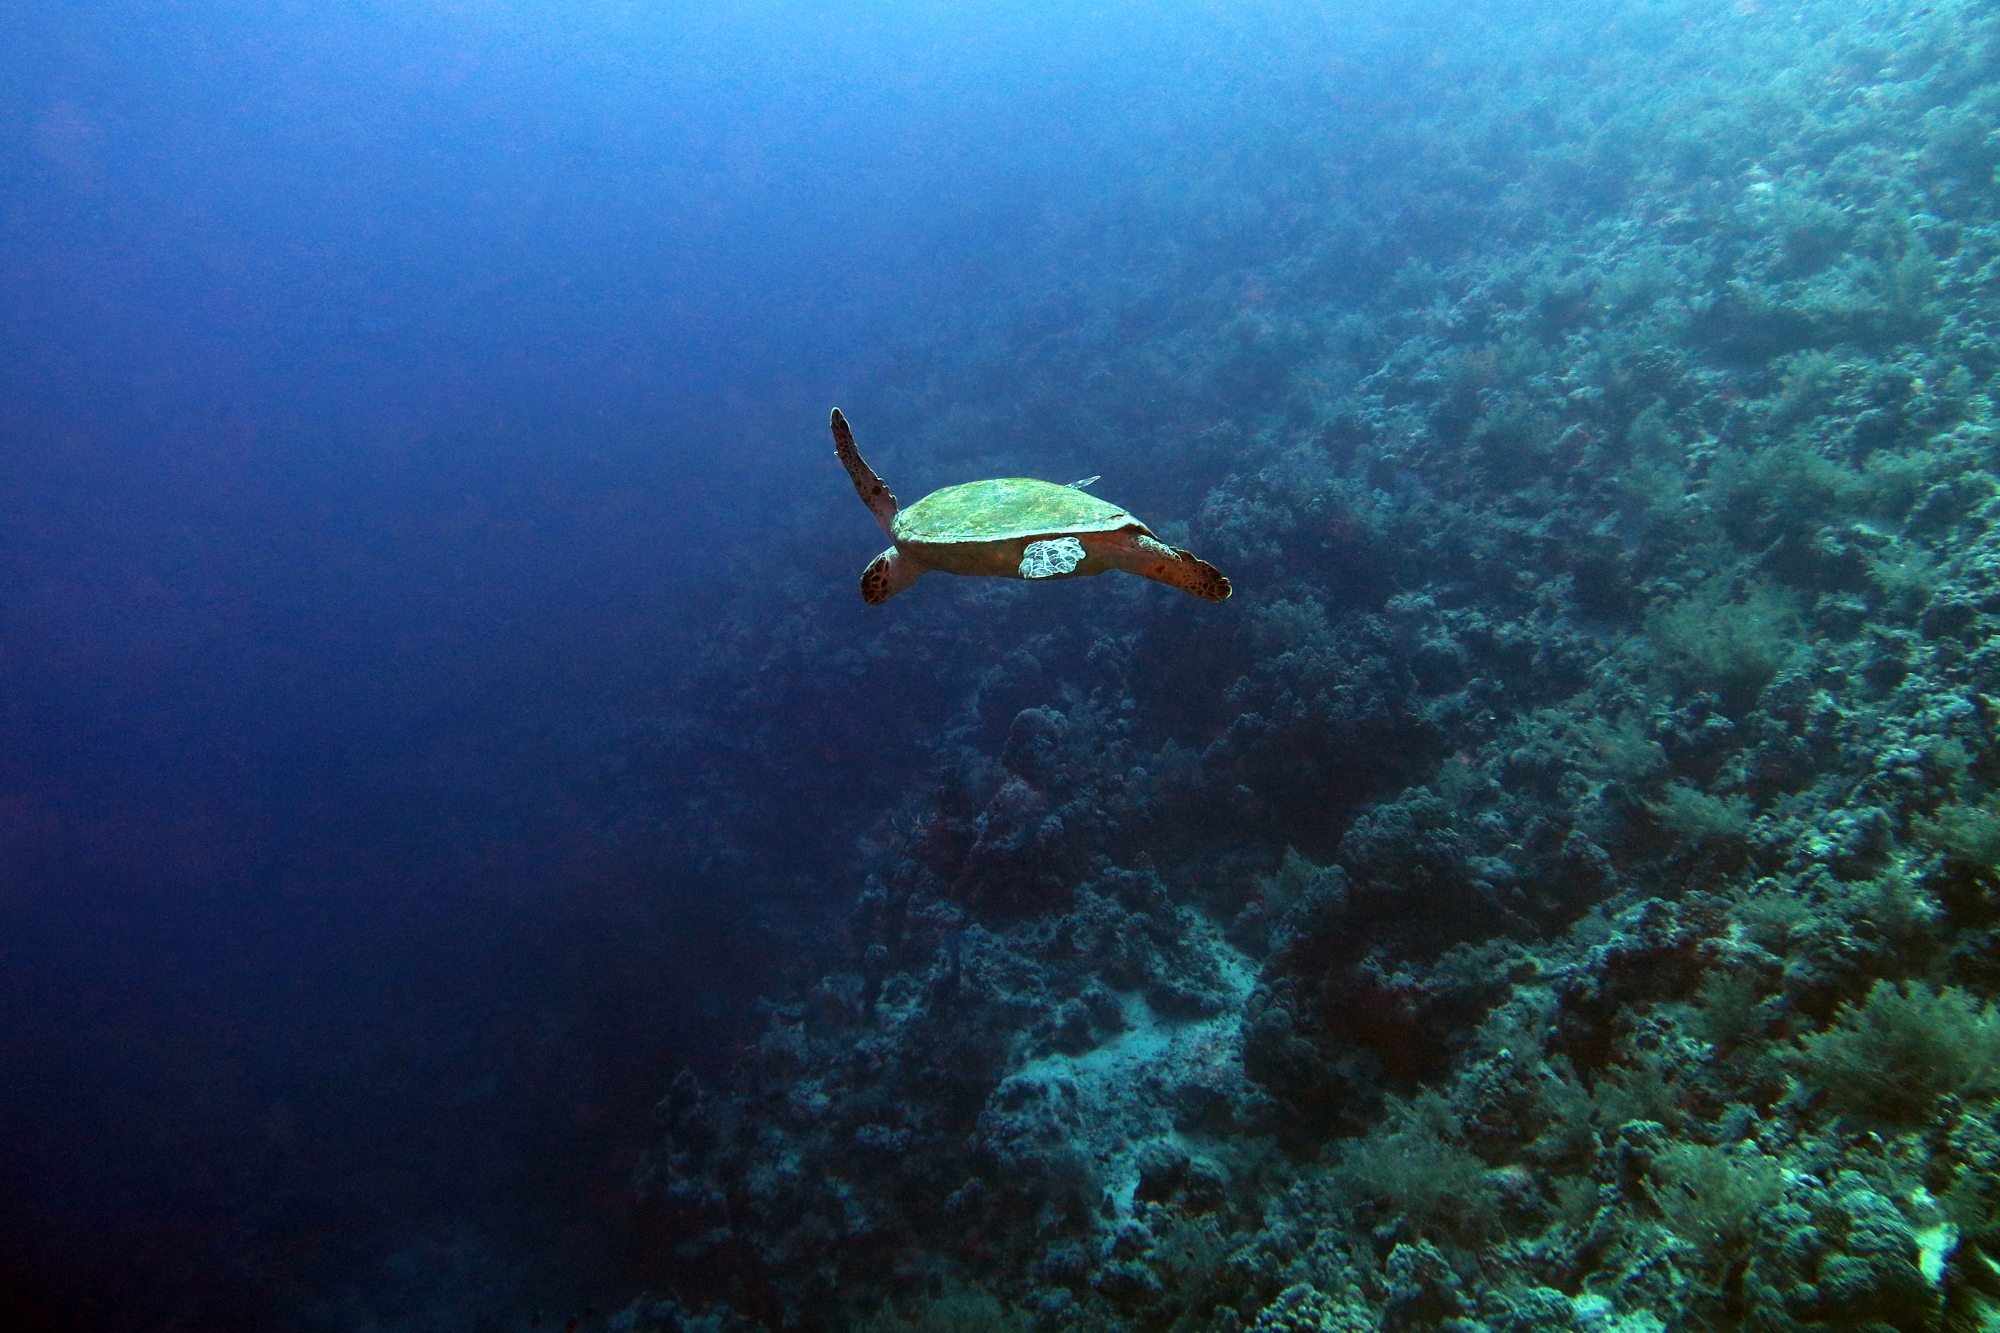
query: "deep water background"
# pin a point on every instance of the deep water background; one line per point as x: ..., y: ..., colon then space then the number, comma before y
x: 390, y: 398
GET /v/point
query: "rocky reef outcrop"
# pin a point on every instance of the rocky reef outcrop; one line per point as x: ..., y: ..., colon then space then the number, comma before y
x: 1559, y: 891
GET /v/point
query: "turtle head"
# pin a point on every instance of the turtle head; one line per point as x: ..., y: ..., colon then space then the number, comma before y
x: 888, y: 574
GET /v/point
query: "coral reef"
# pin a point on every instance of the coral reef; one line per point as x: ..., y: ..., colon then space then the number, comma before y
x: 1560, y: 890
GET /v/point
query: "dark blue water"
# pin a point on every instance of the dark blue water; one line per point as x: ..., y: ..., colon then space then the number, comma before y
x: 391, y: 399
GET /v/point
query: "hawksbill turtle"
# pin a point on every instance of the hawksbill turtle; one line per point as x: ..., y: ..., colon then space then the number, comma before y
x: 1012, y: 528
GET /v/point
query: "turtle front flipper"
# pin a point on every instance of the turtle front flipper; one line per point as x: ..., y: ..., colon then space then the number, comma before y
x: 1140, y: 554
x: 1051, y: 558
x: 888, y: 574
x: 867, y: 485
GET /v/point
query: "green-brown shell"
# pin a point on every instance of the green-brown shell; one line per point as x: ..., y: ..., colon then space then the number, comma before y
x: 1004, y: 508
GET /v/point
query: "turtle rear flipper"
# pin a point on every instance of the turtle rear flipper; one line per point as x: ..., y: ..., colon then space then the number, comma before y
x: 867, y: 485
x: 1170, y: 565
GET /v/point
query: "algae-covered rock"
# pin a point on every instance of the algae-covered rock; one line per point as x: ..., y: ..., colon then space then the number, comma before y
x: 1306, y: 1309
x: 1845, y: 1258
x: 1424, y: 1293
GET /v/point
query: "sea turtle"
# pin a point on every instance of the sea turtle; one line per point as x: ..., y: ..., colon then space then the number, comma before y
x: 1012, y: 528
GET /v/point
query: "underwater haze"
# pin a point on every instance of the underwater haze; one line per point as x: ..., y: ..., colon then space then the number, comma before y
x: 392, y: 394
x: 470, y: 859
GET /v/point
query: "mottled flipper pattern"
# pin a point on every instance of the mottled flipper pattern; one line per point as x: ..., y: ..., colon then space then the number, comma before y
x: 867, y: 485
x: 1181, y: 569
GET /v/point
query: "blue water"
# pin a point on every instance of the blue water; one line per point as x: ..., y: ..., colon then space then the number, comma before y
x: 390, y: 397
